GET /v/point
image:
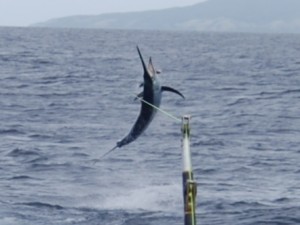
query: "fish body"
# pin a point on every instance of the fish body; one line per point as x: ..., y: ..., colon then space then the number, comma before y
x: 151, y: 95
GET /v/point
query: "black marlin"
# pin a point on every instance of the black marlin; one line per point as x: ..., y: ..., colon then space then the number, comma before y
x: 151, y: 95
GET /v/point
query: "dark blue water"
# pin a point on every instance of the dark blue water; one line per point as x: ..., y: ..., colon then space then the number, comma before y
x: 66, y: 97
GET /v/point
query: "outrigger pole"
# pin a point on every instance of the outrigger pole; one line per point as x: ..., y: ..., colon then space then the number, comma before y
x: 189, y: 185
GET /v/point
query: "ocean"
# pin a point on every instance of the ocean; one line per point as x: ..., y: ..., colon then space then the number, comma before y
x: 67, y: 97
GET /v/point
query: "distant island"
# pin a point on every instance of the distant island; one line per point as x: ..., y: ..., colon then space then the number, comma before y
x: 267, y: 16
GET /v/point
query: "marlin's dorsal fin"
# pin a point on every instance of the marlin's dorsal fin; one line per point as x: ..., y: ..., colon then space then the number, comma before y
x: 151, y: 69
x: 165, y: 88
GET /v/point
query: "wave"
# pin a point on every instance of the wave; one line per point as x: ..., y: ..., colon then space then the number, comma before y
x: 230, y: 89
x: 210, y: 142
x: 284, y: 131
x: 40, y: 136
x: 17, y: 152
x: 205, y: 171
x: 21, y: 177
x: 43, y: 205
x: 11, y: 131
x: 291, y: 91
x: 276, y: 94
x: 240, y: 101
x: 27, y: 156
x: 37, y: 166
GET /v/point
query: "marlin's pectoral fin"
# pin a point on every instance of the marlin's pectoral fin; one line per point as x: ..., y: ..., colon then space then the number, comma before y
x: 140, y: 95
x: 164, y: 88
x: 141, y: 84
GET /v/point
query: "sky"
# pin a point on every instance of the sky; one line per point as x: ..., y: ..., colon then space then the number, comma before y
x: 26, y: 12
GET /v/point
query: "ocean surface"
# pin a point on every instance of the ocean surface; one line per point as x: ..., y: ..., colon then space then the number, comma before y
x: 67, y: 97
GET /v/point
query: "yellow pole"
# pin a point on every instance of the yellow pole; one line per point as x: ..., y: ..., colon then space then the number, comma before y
x: 189, y: 185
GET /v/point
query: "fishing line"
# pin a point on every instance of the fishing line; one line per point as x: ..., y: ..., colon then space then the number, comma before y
x: 159, y: 109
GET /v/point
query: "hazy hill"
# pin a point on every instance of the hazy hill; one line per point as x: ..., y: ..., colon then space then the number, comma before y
x: 212, y: 15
